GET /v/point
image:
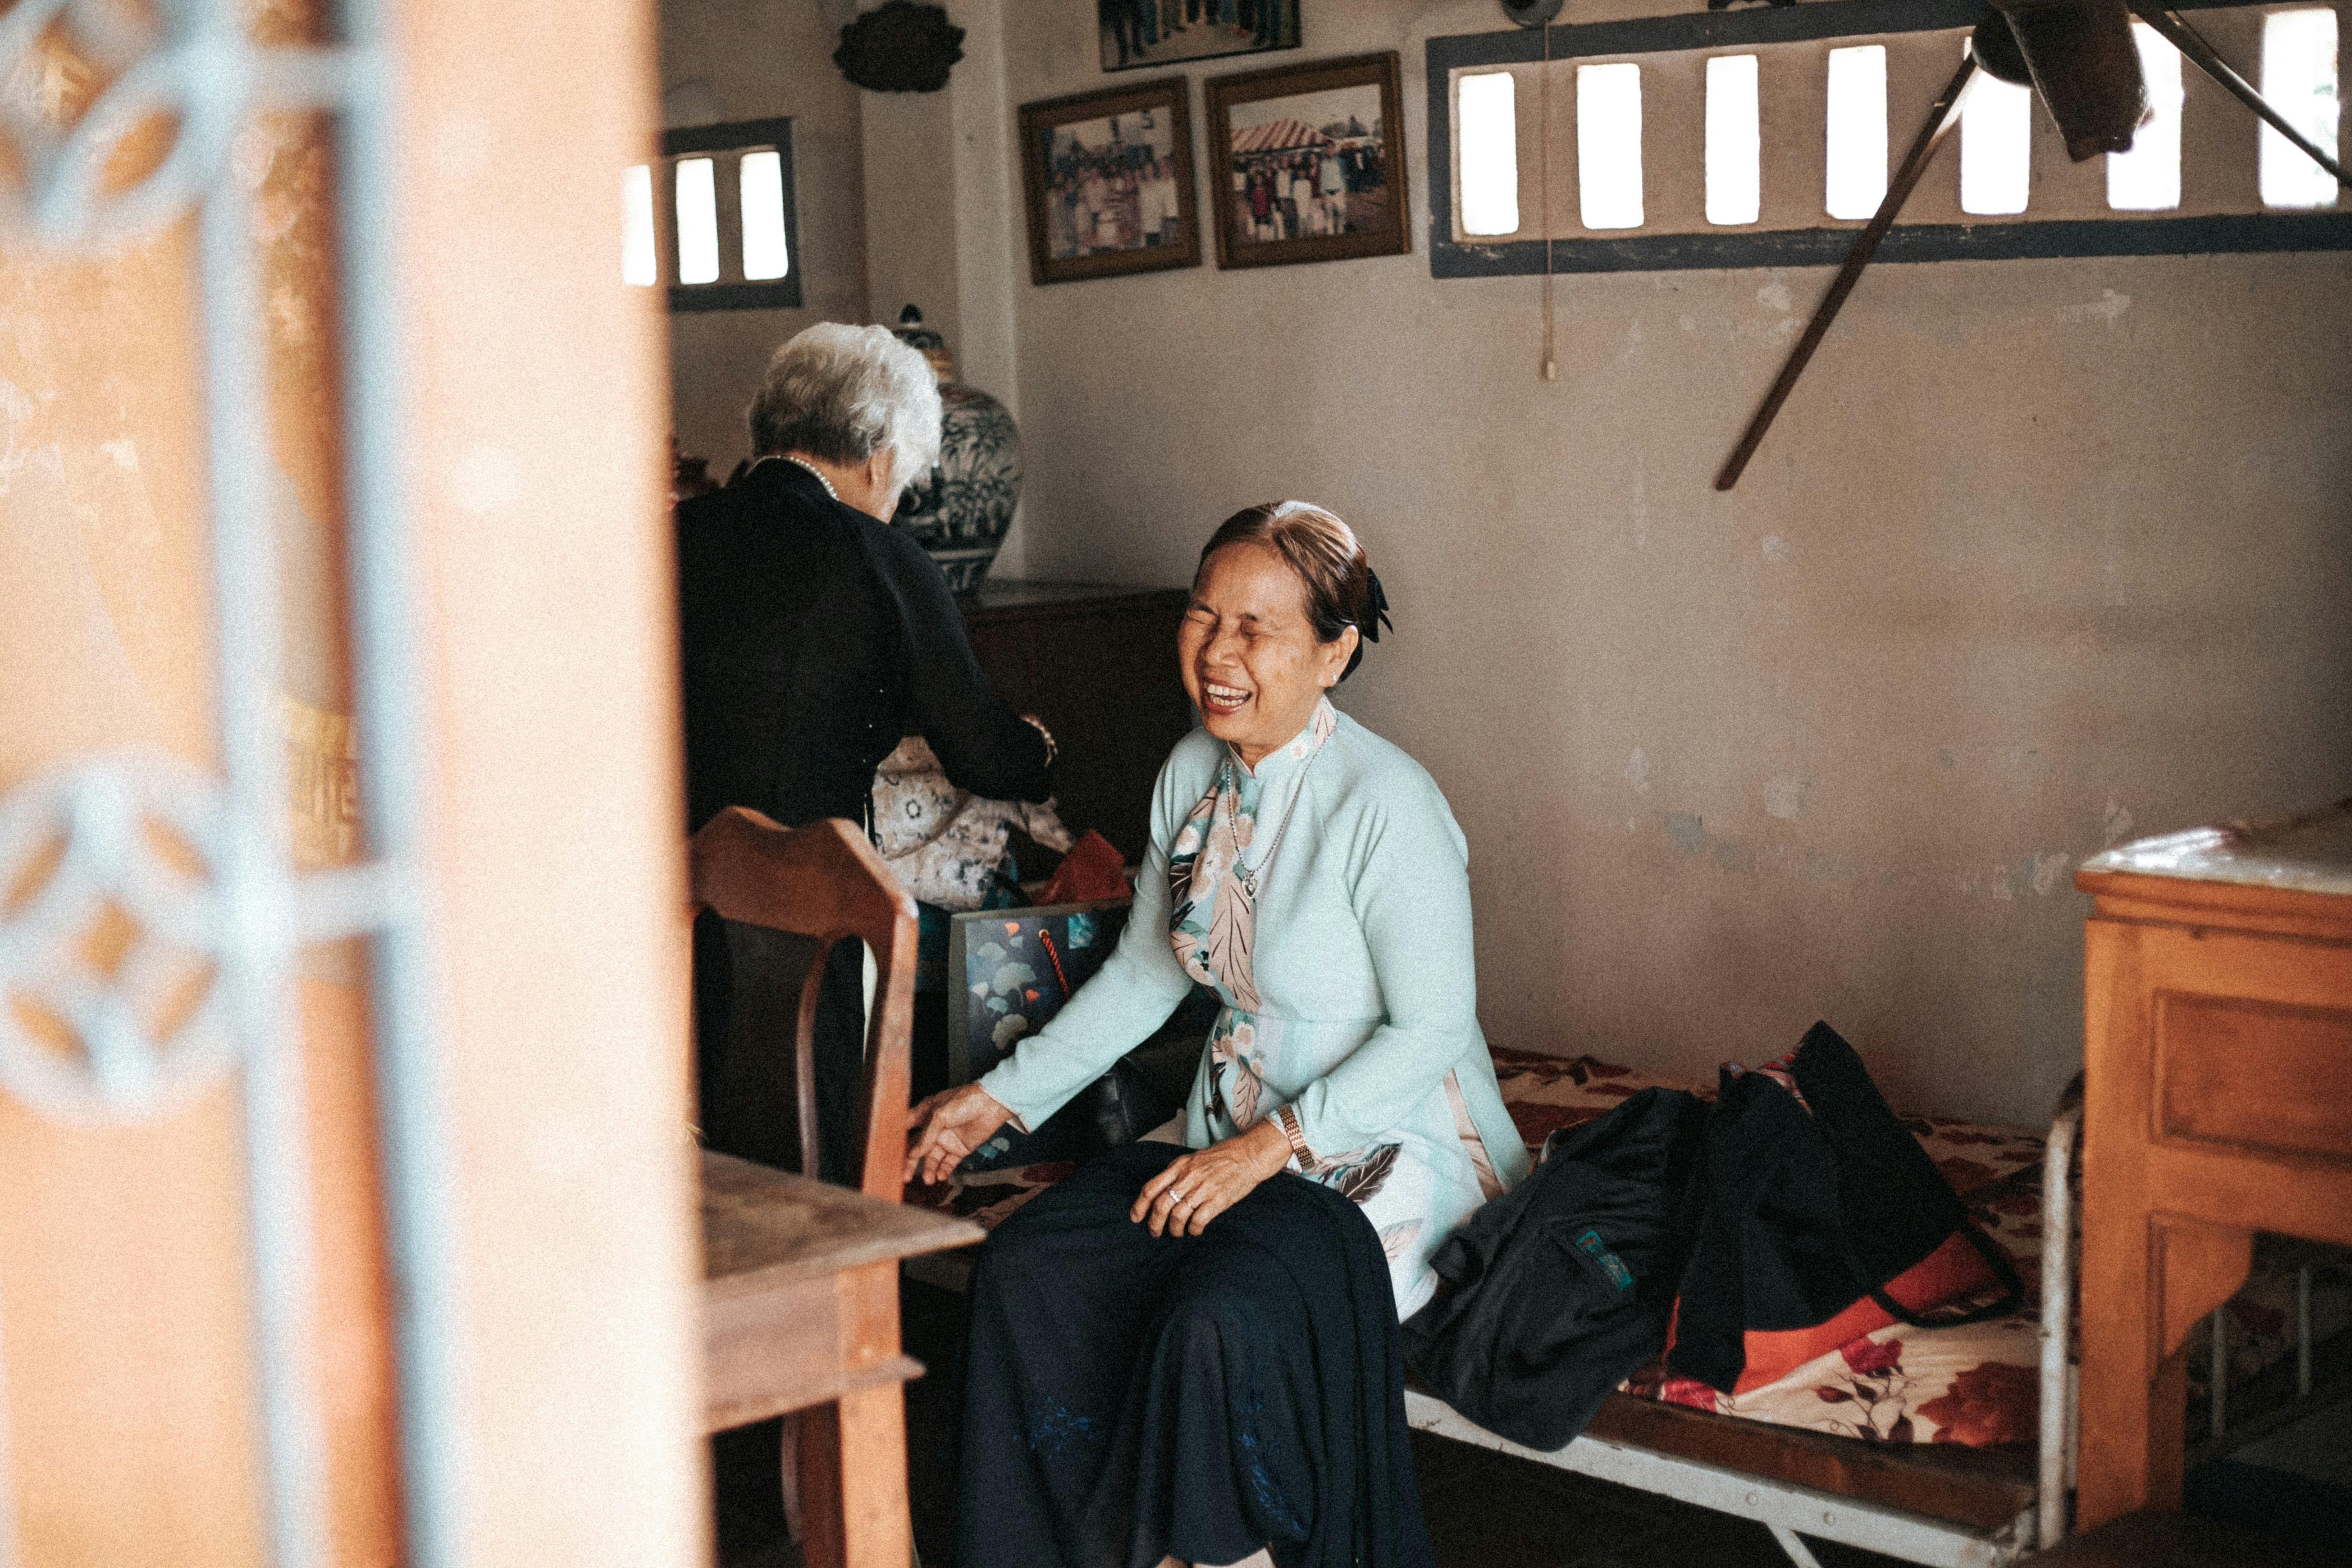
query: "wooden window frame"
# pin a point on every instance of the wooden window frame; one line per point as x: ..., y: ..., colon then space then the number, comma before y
x: 728, y: 294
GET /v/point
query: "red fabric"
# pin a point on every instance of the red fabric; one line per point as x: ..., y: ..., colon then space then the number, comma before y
x: 1091, y: 872
x: 1950, y: 1273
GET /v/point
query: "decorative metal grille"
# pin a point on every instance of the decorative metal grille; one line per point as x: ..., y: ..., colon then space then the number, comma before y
x: 182, y: 885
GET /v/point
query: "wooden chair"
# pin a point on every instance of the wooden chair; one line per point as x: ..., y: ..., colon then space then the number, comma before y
x: 801, y: 1280
x: 827, y: 883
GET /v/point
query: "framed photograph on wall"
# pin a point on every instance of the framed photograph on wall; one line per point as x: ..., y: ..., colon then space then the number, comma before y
x: 1308, y: 163
x: 1109, y: 177
x: 1138, y: 33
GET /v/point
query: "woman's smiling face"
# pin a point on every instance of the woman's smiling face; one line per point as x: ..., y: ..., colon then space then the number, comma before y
x: 1253, y: 665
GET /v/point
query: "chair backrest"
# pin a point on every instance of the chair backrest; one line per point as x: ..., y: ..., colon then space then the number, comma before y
x: 825, y: 881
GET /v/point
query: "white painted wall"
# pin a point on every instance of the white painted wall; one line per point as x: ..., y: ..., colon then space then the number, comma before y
x: 2041, y: 554
x: 755, y: 59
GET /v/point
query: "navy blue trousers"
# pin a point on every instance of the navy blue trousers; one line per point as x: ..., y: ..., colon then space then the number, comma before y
x: 1131, y: 1396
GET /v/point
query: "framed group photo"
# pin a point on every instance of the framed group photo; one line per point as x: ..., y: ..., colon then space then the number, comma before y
x: 1109, y: 178
x: 1306, y: 163
x: 1139, y: 33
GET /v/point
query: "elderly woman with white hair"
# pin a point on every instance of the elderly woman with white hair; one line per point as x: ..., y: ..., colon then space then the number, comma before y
x: 815, y: 636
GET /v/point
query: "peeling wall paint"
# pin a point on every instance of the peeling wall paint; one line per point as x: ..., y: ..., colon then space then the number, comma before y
x: 2038, y: 872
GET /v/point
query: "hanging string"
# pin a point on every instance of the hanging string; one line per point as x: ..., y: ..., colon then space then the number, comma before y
x: 1543, y: 162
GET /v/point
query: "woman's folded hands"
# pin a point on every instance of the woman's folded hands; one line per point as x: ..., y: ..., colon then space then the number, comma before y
x: 1196, y: 1188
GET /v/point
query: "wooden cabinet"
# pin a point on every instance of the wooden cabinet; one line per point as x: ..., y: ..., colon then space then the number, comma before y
x: 2217, y: 1102
x: 1097, y: 665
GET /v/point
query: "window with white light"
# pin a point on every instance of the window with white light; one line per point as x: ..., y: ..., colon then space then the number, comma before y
x: 1665, y: 123
x: 1489, y: 110
x: 1609, y: 145
x: 714, y: 218
x: 760, y: 185
x: 2147, y: 178
x: 637, y: 265
x: 697, y: 221
x: 1735, y: 148
x: 2299, y: 56
x: 1996, y: 144
x: 1856, y: 113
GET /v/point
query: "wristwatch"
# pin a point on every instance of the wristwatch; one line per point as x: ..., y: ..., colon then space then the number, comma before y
x: 1288, y: 1119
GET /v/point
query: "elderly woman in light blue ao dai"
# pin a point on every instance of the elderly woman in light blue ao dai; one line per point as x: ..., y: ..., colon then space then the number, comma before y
x: 1345, y: 1107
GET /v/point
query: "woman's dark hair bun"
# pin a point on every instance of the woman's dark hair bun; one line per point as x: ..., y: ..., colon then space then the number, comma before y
x: 1342, y: 589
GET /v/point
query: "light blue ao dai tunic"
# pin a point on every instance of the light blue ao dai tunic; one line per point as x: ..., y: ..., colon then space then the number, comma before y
x: 1348, y: 985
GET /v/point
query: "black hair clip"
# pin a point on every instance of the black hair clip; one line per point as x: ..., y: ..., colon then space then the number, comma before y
x: 1379, y: 615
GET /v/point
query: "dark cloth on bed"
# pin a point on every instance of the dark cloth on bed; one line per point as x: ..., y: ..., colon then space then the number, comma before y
x: 1812, y: 1200
x: 812, y: 639
x: 1557, y: 1291
x: 1128, y: 1396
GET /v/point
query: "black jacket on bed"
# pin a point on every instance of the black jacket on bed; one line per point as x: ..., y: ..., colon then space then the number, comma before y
x: 1557, y: 1291
x: 1767, y: 1210
x: 1810, y: 1202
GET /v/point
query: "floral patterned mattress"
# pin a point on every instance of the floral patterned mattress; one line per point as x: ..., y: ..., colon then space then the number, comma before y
x: 1977, y: 1385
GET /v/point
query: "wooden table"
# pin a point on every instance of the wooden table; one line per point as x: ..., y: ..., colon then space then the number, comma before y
x: 2217, y: 1102
x: 800, y: 1311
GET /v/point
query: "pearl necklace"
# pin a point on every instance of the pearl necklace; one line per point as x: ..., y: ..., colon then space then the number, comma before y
x: 1249, y: 875
x: 811, y: 471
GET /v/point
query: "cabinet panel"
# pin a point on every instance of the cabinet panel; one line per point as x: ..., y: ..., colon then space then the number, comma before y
x: 1097, y: 665
x: 2253, y: 1073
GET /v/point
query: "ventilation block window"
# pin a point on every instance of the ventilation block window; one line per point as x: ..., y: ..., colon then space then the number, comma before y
x: 2147, y: 178
x: 697, y: 221
x: 1609, y: 145
x: 1857, y: 131
x: 1996, y: 142
x: 1759, y: 137
x: 1735, y: 149
x: 1490, y: 153
x: 637, y: 227
x: 760, y: 185
x: 2299, y: 52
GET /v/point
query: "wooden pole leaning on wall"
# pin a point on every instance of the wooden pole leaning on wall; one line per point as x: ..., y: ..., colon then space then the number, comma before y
x: 1923, y: 147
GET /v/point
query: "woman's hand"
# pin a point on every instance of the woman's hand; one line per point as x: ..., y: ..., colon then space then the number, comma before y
x: 1197, y: 1187
x: 953, y: 1122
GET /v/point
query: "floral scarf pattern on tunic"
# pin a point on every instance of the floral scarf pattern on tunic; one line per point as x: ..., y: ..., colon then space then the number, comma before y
x: 1212, y: 918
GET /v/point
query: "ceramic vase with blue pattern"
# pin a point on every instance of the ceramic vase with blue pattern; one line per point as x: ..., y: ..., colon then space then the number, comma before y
x: 960, y: 510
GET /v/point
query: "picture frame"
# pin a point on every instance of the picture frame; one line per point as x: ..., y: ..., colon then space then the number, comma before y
x: 1109, y: 181
x: 1137, y: 35
x: 1298, y: 173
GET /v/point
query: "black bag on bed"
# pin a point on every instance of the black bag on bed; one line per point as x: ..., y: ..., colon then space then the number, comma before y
x: 1555, y: 1292
x: 1811, y: 1201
